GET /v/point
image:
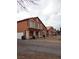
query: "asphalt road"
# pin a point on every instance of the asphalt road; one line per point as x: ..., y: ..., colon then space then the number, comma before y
x: 47, y: 46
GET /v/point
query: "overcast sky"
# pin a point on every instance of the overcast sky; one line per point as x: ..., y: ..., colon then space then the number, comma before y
x: 47, y: 10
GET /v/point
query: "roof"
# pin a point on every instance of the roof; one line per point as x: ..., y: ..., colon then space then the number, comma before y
x: 49, y: 27
x: 31, y: 18
x: 26, y: 19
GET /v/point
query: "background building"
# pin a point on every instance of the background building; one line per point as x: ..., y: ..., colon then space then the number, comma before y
x: 51, y: 31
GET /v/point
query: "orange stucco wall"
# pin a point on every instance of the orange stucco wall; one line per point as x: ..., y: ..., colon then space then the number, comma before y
x: 22, y: 26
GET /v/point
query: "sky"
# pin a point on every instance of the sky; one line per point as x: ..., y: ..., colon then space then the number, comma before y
x: 49, y: 12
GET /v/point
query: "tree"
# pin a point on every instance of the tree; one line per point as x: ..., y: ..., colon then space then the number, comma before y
x: 59, y: 31
x: 23, y: 3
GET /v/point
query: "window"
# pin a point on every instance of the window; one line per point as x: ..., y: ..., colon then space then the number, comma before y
x: 34, y: 25
x: 31, y: 24
x: 40, y: 26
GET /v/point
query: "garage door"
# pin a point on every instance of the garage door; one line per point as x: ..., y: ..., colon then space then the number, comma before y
x: 19, y: 35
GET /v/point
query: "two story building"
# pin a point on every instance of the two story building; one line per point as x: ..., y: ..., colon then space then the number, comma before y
x: 31, y: 28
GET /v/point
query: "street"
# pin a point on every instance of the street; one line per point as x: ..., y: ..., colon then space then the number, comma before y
x: 44, y: 46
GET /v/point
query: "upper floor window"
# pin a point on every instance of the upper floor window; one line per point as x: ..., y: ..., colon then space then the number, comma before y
x: 33, y: 24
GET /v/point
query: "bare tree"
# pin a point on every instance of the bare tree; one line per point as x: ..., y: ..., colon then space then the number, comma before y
x: 23, y: 3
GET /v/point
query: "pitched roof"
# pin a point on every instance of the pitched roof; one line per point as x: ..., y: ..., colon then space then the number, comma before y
x: 32, y: 18
x: 26, y: 19
x: 49, y: 27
